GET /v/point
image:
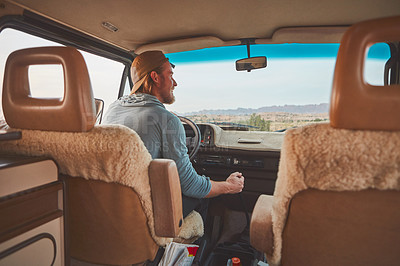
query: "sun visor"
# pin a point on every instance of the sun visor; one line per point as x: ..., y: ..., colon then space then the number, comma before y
x: 306, y: 35
x: 188, y: 44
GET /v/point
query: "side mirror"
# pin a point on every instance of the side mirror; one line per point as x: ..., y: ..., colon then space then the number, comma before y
x: 251, y: 63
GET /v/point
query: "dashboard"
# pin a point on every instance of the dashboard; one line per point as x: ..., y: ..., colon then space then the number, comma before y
x: 255, y: 154
x: 207, y: 135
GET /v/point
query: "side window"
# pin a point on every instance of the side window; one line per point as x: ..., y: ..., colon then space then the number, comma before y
x: 127, y: 88
x: 105, y: 76
x: 374, y: 68
x: 47, y: 81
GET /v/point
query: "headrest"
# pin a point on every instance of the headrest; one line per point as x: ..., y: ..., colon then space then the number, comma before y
x: 75, y: 112
x: 354, y: 103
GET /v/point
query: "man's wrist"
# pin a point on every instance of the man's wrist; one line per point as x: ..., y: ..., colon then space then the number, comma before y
x: 227, y: 187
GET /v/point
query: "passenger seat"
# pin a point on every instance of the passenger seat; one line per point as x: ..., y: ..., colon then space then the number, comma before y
x: 337, y: 196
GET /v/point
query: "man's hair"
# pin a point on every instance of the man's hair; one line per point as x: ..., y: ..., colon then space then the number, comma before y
x: 148, y: 82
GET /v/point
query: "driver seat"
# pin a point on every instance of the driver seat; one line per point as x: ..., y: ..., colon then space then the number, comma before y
x: 121, y: 205
x: 337, y: 196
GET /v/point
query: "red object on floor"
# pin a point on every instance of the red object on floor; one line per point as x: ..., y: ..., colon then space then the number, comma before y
x: 235, y: 261
x: 192, y: 251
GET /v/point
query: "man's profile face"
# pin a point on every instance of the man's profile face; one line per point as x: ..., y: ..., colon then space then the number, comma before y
x: 167, y: 85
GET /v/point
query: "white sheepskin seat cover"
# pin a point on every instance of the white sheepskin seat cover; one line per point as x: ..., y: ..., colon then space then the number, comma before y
x: 110, y: 153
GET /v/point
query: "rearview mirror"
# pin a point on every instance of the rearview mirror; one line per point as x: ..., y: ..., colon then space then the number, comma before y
x: 251, y: 63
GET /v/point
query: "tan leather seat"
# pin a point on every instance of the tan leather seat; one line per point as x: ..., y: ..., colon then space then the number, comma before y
x: 121, y: 205
x: 337, y: 196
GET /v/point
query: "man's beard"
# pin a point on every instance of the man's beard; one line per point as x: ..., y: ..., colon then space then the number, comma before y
x: 169, y: 99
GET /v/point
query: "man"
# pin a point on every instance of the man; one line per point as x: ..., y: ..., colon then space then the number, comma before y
x: 162, y: 132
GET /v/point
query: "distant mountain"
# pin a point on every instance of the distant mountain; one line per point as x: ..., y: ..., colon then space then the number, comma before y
x: 298, y: 109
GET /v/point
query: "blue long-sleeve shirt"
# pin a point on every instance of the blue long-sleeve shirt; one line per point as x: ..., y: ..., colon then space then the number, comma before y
x: 163, y: 135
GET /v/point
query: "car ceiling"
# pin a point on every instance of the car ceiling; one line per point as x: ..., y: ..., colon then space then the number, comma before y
x: 181, y: 25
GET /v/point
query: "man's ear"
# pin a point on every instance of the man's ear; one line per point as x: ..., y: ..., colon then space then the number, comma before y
x: 154, y: 76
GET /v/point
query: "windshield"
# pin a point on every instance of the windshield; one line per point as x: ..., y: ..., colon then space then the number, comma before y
x: 293, y: 90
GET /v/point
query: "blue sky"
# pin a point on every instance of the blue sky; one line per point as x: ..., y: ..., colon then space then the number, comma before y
x: 378, y: 51
x: 233, y: 53
x: 207, y: 78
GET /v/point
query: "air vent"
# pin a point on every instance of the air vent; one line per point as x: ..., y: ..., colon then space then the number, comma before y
x: 109, y: 26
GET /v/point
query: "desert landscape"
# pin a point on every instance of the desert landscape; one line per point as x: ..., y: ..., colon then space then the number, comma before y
x: 276, y: 118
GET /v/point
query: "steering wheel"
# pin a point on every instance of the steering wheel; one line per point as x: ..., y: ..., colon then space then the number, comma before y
x: 194, y: 145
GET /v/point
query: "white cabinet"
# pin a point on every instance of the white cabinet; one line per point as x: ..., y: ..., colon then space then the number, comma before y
x: 31, y: 212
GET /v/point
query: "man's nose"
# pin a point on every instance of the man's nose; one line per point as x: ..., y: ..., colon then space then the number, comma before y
x: 175, y: 84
